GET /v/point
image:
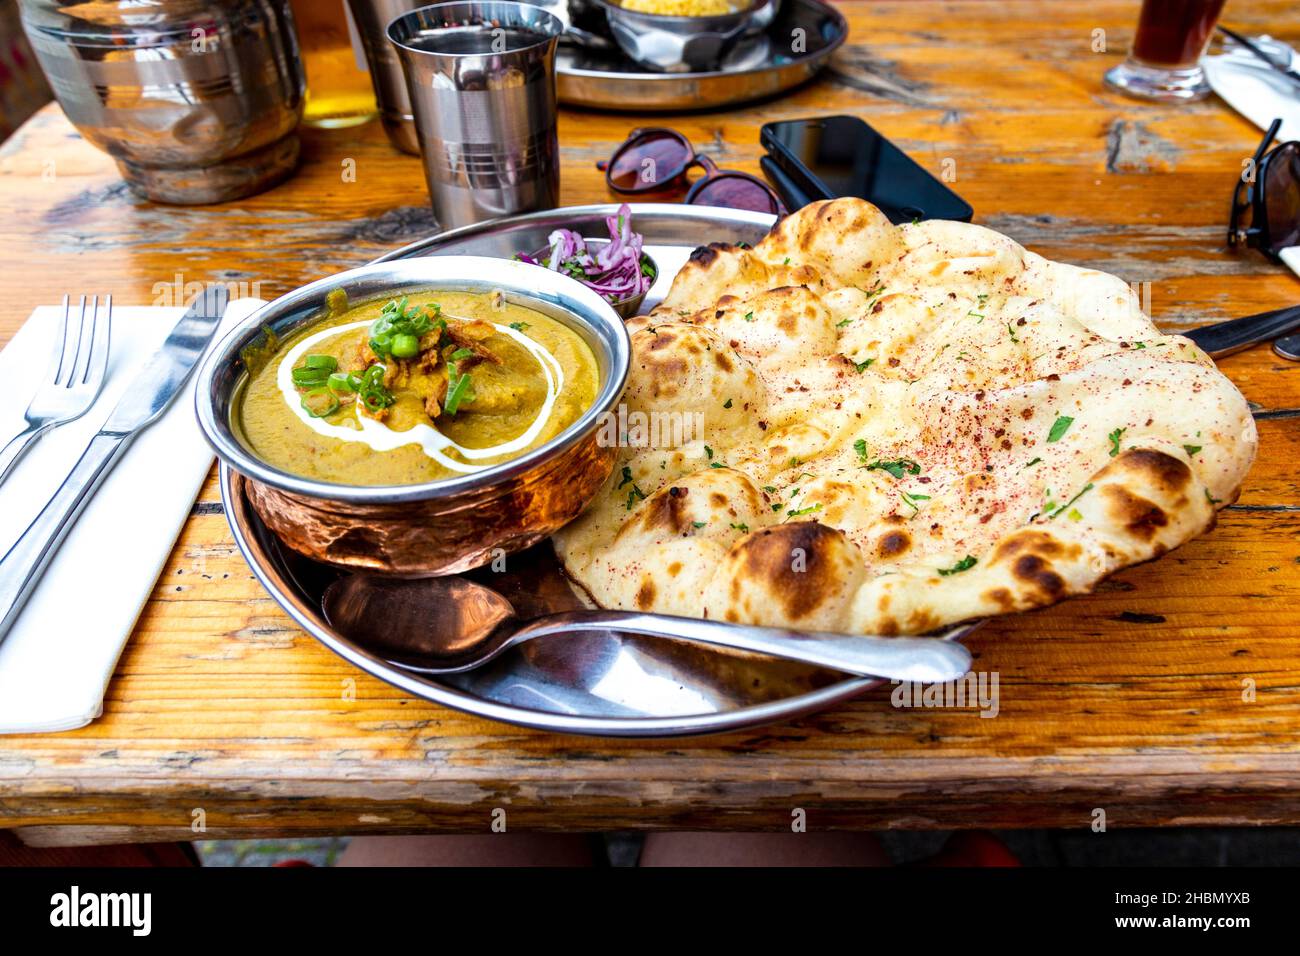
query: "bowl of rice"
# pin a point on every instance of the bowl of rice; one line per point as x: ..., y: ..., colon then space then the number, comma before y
x: 684, y: 36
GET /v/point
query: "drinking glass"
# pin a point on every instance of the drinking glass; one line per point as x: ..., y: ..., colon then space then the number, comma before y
x: 1164, y: 62
x: 481, y: 79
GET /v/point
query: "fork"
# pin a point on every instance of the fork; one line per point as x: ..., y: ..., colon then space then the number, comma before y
x: 76, y: 376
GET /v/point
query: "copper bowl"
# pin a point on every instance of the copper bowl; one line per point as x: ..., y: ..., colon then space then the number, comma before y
x: 439, y: 527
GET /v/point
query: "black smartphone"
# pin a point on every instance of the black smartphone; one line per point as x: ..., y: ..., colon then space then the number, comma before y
x: 833, y: 156
x: 792, y: 194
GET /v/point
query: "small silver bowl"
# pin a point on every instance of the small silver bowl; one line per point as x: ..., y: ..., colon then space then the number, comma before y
x: 668, y: 44
x: 438, y: 527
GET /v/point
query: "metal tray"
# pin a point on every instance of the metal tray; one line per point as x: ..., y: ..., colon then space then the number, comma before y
x: 606, y: 80
x: 601, y: 683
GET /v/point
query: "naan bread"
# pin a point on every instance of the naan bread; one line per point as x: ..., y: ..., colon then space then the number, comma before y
x: 903, y: 427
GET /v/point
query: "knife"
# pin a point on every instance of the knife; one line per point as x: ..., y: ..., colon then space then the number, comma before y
x: 143, y: 403
x: 1224, y: 338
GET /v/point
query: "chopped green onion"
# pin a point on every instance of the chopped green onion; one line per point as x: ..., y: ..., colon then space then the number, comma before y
x: 320, y: 402
x: 309, y: 377
x: 343, y: 382
x: 328, y: 362
x: 459, y: 393
x: 405, y: 345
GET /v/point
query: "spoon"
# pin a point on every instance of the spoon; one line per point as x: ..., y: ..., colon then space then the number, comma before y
x: 447, y: 625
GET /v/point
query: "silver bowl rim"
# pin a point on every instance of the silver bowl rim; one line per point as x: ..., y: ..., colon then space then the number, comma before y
x: 555, y: 24
x: 662, y: 21
x: 450, y: 271
x: 812, y: 57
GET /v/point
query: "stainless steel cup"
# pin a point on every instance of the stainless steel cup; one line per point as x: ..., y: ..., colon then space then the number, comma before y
x: 196, y: 100
x: 481, y: 79
x: 372, y: 18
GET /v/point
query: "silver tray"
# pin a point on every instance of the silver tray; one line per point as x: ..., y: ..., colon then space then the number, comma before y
x: 606, y: 80
x: 599, y: 683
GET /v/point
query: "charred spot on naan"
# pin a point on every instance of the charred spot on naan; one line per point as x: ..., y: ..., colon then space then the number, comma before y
x: 803, y: 572
x: 714, y: 501
x: 1140, y: 517
x: 1155, y: 469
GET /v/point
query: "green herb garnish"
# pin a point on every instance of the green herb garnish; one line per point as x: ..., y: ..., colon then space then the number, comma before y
x: 1114, y: 441
x: 1059, y: 428
x: 1191, y: 450
x: 965, y: 564
x: 896, y: 467
x: 795, y: 513
x: 397, y: 331
x: 315, y: 371
x: 320, y: 402
x: 1086, y: 488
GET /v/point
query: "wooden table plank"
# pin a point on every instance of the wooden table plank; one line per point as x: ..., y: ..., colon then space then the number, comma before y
x: 1170, y: 696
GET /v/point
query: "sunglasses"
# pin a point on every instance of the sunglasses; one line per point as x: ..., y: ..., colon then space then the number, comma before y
x: 1266, y: 205
x: 656, y: 158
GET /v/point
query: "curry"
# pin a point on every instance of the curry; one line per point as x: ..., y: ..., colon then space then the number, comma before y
x: 416, y: 388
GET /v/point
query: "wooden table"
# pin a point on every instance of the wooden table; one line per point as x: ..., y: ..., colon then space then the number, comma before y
x: 1172, y: 696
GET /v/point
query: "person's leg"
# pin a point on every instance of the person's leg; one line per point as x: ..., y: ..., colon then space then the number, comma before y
x: 763, y: 849
x: 479, y: 849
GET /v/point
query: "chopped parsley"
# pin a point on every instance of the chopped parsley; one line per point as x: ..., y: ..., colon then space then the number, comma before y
x: 787, y: 261
x: 965, y: 564
x: 1114, y: 441
x: 716, y: 464
x: 1059, y: 428
x: 708, y: 452
x: 1192, y: 450
x: 698, y: 524
x: 741, y: 527
x: 633, y: 495
x: 1086, y: 488
x: 795, y: 513
x: 770, y: 489
x: 519, y: 326
x: 860, y: 446
x: 727, y: 403
x: 896, y: 467
x: 843, y: 322
x: 911, y: 501
x: 749, y: 316
x: 1032, y: 463
x: 1011, y: 330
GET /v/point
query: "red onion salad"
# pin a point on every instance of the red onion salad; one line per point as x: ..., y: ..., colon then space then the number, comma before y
x: 618, y: 271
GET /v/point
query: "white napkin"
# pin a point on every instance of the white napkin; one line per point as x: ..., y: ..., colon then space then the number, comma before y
x: 1253, y: 89
x: 58, y: 658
